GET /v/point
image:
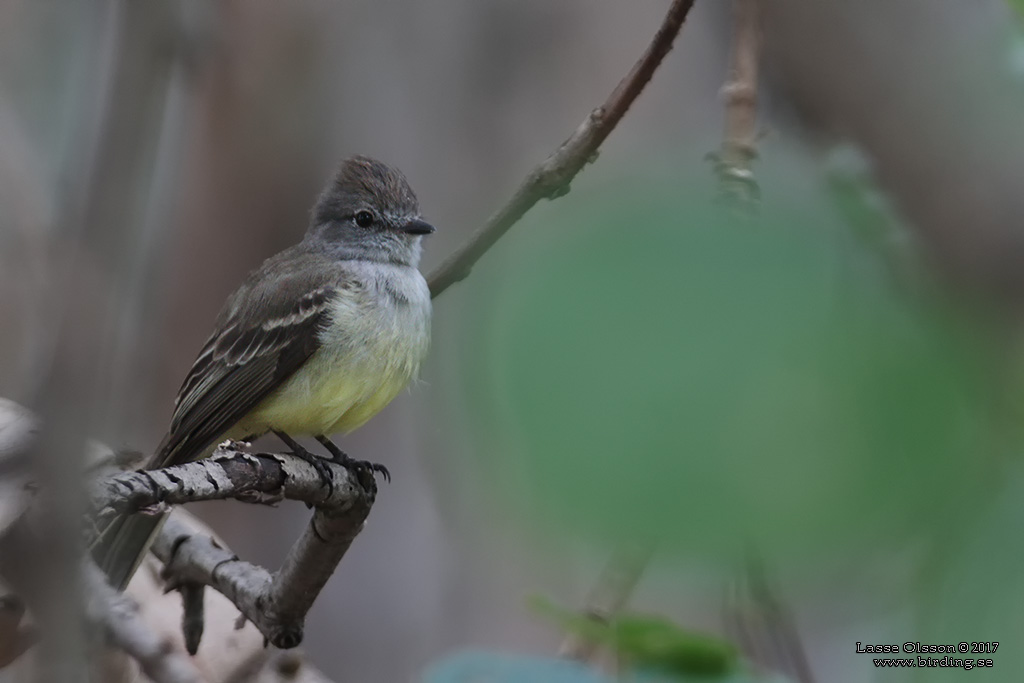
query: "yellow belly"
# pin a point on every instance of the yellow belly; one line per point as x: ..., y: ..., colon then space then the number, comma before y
x: 368, y: 354
x: 326, y: 396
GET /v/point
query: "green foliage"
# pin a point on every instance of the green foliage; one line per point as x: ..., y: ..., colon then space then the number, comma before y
x: 645, y: 363
x: 647, y: 642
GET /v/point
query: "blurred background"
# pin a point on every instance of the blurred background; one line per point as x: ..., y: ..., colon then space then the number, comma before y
x: 833, y: 387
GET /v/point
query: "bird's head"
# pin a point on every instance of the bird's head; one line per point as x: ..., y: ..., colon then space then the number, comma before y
x: 368, y: 211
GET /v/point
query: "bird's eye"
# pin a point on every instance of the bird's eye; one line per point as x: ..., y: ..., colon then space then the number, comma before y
x: 364, y: 219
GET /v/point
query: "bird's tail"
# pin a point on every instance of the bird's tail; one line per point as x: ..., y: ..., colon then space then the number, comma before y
x: 121, y: 547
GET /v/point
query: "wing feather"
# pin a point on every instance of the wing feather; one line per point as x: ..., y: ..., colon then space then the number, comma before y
x: 268, y: 329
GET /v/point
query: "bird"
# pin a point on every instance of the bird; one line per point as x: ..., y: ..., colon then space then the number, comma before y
x: 316, y: 341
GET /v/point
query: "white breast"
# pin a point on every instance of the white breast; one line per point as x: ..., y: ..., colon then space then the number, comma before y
x: 377, y: 337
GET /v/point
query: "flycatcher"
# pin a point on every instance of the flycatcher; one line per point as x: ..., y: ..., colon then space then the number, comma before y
x: 316, y: 341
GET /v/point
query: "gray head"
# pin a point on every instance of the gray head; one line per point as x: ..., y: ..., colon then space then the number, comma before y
x: 368, y: 211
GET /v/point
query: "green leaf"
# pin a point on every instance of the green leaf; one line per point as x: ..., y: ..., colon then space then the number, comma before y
x: 648, y: 642
x: 640, y: 362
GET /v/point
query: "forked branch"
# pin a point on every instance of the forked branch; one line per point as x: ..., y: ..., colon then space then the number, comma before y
x: 275, y: 603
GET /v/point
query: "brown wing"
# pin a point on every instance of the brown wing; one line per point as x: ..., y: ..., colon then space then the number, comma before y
x: 267, y: 330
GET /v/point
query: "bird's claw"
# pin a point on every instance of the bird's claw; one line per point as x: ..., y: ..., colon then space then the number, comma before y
x: 359, y: 468
x: 374, y: 467
x: 364, y: 471
x: 320, y: 465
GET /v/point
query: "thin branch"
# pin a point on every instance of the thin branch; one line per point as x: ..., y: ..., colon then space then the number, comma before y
x: 608, y: 597
x: 193, y: 615
x: 118, y: 616
x: 756, y: 619
x: 308, y: 566
x: 764, y: 626
x: 552, y: 177
x: 190, y: 556
x: 739, y: 146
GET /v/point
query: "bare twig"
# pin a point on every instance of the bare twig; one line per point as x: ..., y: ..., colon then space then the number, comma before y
x: 756, y: 619
x: 552, y: 177
x: 763, y: 625
x: 118, y: 616
x: 306, y: 569
x: 739, y: 147
x: 192, y: 614
x: 608, y: 596
x: 227, y: 655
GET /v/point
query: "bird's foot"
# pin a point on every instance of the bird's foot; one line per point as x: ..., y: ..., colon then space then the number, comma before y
x: 359, y: 468
x: 363, y: 472
x: 319, y: 464
x: 316, y: 461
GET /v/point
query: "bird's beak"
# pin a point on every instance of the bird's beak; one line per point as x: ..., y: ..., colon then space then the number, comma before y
x: 418, y: 227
